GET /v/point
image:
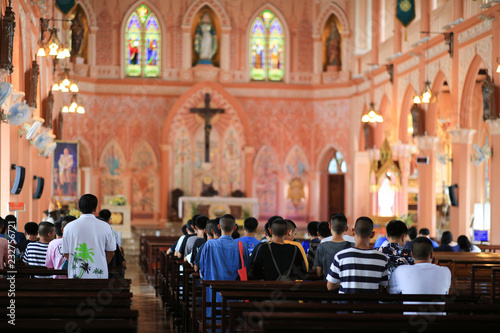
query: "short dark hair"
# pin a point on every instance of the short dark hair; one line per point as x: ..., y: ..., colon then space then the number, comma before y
x: 201, y: 222
x: 339, y: 223
x: 31, y: 228
x: 290, y: 225
x: 412, y: 233
x: 424, y: 232
x: 279, y: 227
x: 189, y: 226
x: 208, y: 229
x: 267, y: 229
x: 446, y: 238
x: 67, y: 219
x: 11, y: 218
x: 3, y: 225
x: 324, y: 229
x: 215, y: 223
x: 44, y: 228
x: 396, y: 229
x: 184, y: 229
x: 312, y: 228
x: 227, y: 222
x: 88, y: 203
x: 105, y: 214
x: 363, y: 227
x: 422, y: 248
x: 57, y: 226
x: 272, y: 218
x: 464, y: 244
x: 250, y: 224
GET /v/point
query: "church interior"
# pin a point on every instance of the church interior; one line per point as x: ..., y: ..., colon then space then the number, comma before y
x: 258, y: 108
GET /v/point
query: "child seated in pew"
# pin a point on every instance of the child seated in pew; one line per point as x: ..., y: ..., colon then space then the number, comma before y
x: 211, y: 231
x: 250, y: 228
x: 36, y: 252
x: 181, y: 246
x: 199, y: 227
x: 184, y: 233
x: 327, y: 250
x: 55, y: 258
x: 278, y: 261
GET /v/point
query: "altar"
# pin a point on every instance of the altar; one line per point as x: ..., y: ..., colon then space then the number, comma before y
x: 213, y: 207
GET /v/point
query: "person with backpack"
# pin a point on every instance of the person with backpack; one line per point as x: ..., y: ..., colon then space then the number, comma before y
x: 278, y: 261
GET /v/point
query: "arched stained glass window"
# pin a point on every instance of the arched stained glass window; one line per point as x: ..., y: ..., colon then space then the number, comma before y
x: 267, y: 48
x: 337, y: 164
x: 142, y: 44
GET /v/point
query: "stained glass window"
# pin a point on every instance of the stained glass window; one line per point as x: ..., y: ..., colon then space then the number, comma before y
x: 267, y: 48
x: 337, y: 163
x: 142, y: 44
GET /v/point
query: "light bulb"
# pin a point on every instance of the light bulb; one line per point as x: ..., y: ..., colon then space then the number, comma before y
x: 64, y: 89
x: 60, y: 54
x: 53, y: 52
x: 498, y: 69
x: 74, y: 88
x: 73, y: 105
x: 379, y: 119
x: 416, y: 99
x: 55, y: 87
x: 426, y: 97
x: 66, y: 53
x: 365, y: 118
x: 65, y: 109
x: 80, y: 110
x: 72, y: 108
x: 371, y: 114
x: 41, y: 52
x: 410, y: 130
x: 66, y: 82
x: 53, y: 46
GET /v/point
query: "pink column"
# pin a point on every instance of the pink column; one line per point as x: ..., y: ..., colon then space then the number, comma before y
x: 165, y: 167
x: 427, y: 146
x: 458, y: 9
x: 404, y: 165
x: 495, y: 181
x: 461, y: 140
x: 249, y: 154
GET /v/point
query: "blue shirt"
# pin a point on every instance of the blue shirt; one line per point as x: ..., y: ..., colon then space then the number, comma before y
x: 379, y: 242
x: 250, y: 242
x: 306, y: 244
x: 220, y: 259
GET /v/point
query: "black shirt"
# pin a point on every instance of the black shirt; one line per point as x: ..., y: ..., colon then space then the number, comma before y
x: 264, y: 268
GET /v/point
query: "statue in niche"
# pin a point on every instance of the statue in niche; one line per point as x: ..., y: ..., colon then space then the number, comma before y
x: 488, y: 90
x: 77, y: 34
x: 333, y: 48
x: 205, y: 40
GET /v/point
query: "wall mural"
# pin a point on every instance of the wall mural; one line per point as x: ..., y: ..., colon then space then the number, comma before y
x: 231, y: 157
x: 266, y: 181
x: 112, y: 164
x: 182, y: 162
x: 296, y: 172
x: 144, y: 166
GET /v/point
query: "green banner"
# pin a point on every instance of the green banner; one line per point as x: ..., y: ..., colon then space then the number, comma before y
x: 65, y: 5
x: 405, y: 11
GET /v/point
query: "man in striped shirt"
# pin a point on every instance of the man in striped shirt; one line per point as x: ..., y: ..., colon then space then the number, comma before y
x: 36, y: 252
x: 359, y: 269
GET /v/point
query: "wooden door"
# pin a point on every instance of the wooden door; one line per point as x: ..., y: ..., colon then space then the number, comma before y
x: 335, y: 194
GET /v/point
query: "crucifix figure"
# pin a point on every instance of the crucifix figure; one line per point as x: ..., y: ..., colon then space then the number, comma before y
x: 207, y: 113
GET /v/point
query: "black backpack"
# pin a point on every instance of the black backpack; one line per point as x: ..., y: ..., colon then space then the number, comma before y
x: 281, y: 276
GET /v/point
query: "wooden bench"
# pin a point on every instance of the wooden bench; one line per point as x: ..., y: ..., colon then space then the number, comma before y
x: 145, y: 250
x: 31, y: 271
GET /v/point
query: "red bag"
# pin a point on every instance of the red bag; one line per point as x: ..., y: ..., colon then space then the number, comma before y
x: 243, y: 271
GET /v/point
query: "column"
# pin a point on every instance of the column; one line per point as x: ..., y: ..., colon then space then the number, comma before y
x: 249, y: 154
x: 461, y: 140
x: 92, y: 46
x: 375, y: 18
x: 86, y: 181
x: 186, y: 47
x: 404, y: 166
x: 165, y: 167
x: 458, y: 9
x: 495, y: 181
x: 224, y: 49
x: 361, y: 186
x: 318, y: 59
x: 427, y: 146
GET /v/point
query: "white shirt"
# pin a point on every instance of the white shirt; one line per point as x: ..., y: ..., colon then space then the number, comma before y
x: 347, y: 238
x: 424, y: 278
x: 87, y: 239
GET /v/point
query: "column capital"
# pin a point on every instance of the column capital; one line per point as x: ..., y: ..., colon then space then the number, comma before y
x: 249, y: 150
x: 93, y: 30
x: 427, y: 142
x: 165, y: 147
x: 494, y: 126
x: 462, y: 135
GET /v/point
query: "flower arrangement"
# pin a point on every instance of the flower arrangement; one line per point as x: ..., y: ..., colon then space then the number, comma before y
x: 118, y: 201
x: 75, y: 212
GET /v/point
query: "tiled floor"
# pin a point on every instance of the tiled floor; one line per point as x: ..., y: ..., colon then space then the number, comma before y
x: 152, y: 317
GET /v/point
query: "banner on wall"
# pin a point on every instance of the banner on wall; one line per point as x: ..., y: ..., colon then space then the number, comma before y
x: 405, y: 12
x: 65, y: 171
x: 65, y: 6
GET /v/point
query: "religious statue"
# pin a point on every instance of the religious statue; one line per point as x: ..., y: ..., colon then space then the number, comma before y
x: 488, y: 90
x: 113, y: 163
x: 65, y: 164
x: 333, y: 48
x: 296, y: 191
x: 77, y: 34
x: 205, y: 40
x: 49, y: 109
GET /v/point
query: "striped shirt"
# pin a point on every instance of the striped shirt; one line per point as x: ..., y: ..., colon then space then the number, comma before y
x: 359, y: 271
x: 35, y: 254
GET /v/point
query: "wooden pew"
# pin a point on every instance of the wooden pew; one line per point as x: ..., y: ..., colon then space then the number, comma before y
x: 489, y: 248
x: 31, y: 271
x: 144, y: 257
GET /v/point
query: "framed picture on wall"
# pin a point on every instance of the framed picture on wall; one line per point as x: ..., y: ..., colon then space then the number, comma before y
x: 65, y: 180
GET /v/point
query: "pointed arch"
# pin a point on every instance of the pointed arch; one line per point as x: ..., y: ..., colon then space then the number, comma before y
x: 112, y: 158
x: 215, y: 5
x: 89, y: 12
x: 325, y: 14
x: 182, y: 158
x: 150, y: 42
x: 143, y: 156
x: 432, y: 111
x: 286, y: 31
x: 85, y: 153
x: 465, y: 109
x: 297, y: 159
x: 405, y: 111
x: 144, y: 167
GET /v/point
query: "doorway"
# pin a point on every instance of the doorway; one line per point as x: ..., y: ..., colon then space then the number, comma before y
x: 336, y: 194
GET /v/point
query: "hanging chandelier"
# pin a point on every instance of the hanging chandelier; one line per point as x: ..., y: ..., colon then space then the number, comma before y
x: 426, y: 97
x: 372, y: 116
x: 66, y: 84
x: 52, y: 46
x: 74, y: 106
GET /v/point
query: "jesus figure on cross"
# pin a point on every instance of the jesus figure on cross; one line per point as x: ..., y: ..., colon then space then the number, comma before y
x: 207, y: 113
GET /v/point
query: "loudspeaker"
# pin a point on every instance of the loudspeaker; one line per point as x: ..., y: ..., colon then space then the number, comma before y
x: 19, y: 180
x: 40, y: 182
x: 453, y: 196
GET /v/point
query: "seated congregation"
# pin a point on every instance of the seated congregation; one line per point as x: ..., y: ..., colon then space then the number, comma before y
x: 335, y: 277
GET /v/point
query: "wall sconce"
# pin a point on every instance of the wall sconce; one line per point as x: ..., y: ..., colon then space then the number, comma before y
x: 498, y: 67
x: 74, y: 106
x: 7, y: 26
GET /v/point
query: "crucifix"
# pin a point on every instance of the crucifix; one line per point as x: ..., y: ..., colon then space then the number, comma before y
x: 207, y: 113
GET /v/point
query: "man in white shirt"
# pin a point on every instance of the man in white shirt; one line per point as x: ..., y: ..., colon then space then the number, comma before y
x: 423, y: 277
x: 88, y: 243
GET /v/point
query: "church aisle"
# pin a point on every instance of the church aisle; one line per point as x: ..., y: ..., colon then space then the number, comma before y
x: 152, y: 317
